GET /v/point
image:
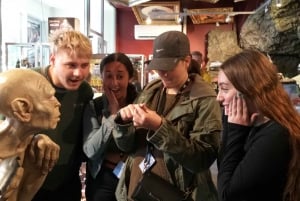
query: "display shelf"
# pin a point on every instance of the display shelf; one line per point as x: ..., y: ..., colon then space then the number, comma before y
x: 95, y: 79
x: 138, y: 64
x: 26, y: 55
x: 149, y: 75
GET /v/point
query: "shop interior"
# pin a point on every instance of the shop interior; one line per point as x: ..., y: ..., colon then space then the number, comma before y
x: 216, y: 28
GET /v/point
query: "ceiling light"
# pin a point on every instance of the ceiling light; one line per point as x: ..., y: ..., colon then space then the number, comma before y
x: 129, y: 3
x: 278, y: 3
x: 148, y: 20
x: 179, y: 19
x: 266, y: 9
x: 228, y: 19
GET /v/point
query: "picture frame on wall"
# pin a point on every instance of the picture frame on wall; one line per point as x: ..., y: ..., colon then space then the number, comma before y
x: 34, y: 30
x: 161, y: 13
x: 65, y: 23
x: 210, y: 15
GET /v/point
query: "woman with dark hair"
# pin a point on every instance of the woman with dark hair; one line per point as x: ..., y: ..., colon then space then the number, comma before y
x: 259, y: 156
x: 104, y: 158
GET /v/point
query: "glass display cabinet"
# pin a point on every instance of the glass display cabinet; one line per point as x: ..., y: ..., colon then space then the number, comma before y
x: 26, y: 55
x: 149, y: 75
x: 138, y: 64
x: 95, y: 79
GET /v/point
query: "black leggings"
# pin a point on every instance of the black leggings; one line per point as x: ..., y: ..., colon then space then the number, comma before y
x: 103, y: 187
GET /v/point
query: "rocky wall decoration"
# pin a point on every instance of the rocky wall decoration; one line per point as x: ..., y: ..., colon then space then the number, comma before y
x: 221, y: 45
x: 275, y: 30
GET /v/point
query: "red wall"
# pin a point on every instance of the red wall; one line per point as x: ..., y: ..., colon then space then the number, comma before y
x: 125, y: 35
x: 125, y: 41
x: 197, y: 34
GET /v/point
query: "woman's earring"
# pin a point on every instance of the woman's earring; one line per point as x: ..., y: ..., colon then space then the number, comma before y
x: 239, y: 95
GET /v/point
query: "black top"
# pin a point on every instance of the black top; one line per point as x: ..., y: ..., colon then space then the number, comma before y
x: 67, y: 134
x: 253, y: 162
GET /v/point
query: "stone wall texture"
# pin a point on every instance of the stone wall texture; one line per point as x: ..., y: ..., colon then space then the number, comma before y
x: 273, y: 30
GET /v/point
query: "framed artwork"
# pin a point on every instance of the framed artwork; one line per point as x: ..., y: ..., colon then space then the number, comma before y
x: 159, y: 12
x: 210, y: 15
x: 66, y: 23
x: 33, y: 30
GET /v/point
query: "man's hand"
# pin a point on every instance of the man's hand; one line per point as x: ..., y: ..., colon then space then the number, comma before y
x: 43, y: 152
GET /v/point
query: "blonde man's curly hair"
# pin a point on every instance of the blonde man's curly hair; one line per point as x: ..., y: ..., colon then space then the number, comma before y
x: 71, y: 40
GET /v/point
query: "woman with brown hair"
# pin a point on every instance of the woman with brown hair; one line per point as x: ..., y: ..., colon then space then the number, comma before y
x: 259, y: 156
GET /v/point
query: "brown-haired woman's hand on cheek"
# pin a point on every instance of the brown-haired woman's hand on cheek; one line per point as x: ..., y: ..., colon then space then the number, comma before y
x: 238, y: 111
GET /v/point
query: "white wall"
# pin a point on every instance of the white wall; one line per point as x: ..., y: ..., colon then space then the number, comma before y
x: 76, y: 10
x: 14, y: 24
x: 14, y: 19
x: 110, y: 26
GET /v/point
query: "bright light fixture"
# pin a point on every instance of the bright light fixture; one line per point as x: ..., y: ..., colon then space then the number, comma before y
x: 278, y: 3
x: 129, y: 3
x: 228, y: 19
x: 148, y: 20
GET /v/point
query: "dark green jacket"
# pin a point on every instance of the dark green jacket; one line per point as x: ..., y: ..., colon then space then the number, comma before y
x: 189, y: 137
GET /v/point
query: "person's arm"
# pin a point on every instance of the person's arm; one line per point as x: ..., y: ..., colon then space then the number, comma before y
x: 95, y: 135
x: 124, y: 136
x: 266, y: 158
x: 194, y: 141
x: 124, y: 132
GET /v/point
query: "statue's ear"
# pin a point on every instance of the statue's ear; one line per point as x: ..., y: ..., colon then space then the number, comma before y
x: 22, y: 109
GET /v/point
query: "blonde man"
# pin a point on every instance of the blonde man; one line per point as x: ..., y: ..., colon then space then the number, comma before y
x: 69, y: 67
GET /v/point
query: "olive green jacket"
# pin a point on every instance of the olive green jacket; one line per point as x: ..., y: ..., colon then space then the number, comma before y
x: 189, y: 137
